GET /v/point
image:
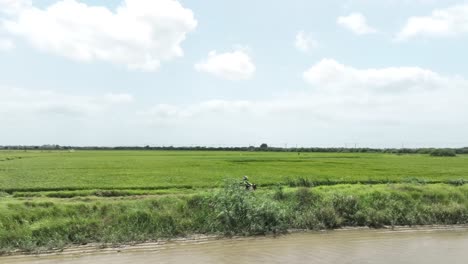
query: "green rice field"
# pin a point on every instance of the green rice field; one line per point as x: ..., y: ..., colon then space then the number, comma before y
x: 81, y: 170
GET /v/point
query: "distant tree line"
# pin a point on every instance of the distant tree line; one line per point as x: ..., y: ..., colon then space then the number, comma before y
x: 262, y: 147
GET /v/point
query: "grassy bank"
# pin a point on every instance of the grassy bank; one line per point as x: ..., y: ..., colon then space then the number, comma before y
x: 48, y: 222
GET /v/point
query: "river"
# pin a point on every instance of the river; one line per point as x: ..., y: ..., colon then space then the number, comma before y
x: 428, y: 246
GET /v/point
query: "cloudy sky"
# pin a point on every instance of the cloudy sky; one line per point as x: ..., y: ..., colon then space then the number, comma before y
x: 386, y: 73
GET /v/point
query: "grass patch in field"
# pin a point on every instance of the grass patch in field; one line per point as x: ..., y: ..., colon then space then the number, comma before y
x: 101, y: 193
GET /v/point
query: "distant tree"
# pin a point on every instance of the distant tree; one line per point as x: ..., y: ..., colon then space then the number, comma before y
x: 263, y: 146
x: 443, y: 153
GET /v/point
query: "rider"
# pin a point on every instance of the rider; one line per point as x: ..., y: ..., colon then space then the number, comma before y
x: 246, y: 182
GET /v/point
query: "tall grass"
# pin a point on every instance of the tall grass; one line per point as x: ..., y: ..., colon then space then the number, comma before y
x: 237, y: 211
x: 45, y: 223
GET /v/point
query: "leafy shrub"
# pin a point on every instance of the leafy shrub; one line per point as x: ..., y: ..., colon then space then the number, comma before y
x: 328, y: 217
x: 443, y: 153
x: 306, y: 219
x: 306, y: 198
x: 238, y: 211
x: 449, y: 214
x: 346, y: 206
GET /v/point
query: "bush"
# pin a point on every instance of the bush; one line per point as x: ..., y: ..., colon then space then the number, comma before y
x: 443, y: 153
x: 306, y: 198
x: 346, y: 206
x: 238, y: 211
x: 327, y: 217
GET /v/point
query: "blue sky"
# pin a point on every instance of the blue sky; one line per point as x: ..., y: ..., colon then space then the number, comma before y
x: 309, y: 73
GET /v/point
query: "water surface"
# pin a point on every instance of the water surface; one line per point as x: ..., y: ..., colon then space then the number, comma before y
x: 428, y: 246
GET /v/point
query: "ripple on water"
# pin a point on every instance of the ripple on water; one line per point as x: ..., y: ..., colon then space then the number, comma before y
x: 428, y: 246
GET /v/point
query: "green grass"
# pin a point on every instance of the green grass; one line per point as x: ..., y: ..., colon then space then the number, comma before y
x: 54, y: 199
x: 87, y: 170
x: 44, y: 223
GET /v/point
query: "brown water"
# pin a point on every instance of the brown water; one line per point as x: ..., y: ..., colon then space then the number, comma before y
x: 352, y: 246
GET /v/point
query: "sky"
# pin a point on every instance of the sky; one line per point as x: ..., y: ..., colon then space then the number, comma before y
x: 365, y: 73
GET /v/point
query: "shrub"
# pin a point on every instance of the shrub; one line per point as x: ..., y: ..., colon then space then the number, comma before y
x: 443, y: 153
x: 346, y: 206
x: 238, y: 211
x: 328, y: 217
x: 305, y: 197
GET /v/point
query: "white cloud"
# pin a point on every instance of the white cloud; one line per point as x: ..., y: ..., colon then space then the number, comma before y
x: 350, y: 3
x: 305, y: 42
x: 6, y: 44
x: 375, y: 107
x: 139, y: 34
x: 118, y: 98
x: 357, y: 23
x: 235, y: 65
x: 330, y: 75
x: 342, y: 93
x: 450, y: 21
x: 12, y: 7
x: 379, y: 107
x: 53, y: 117
x: 31, y: 103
